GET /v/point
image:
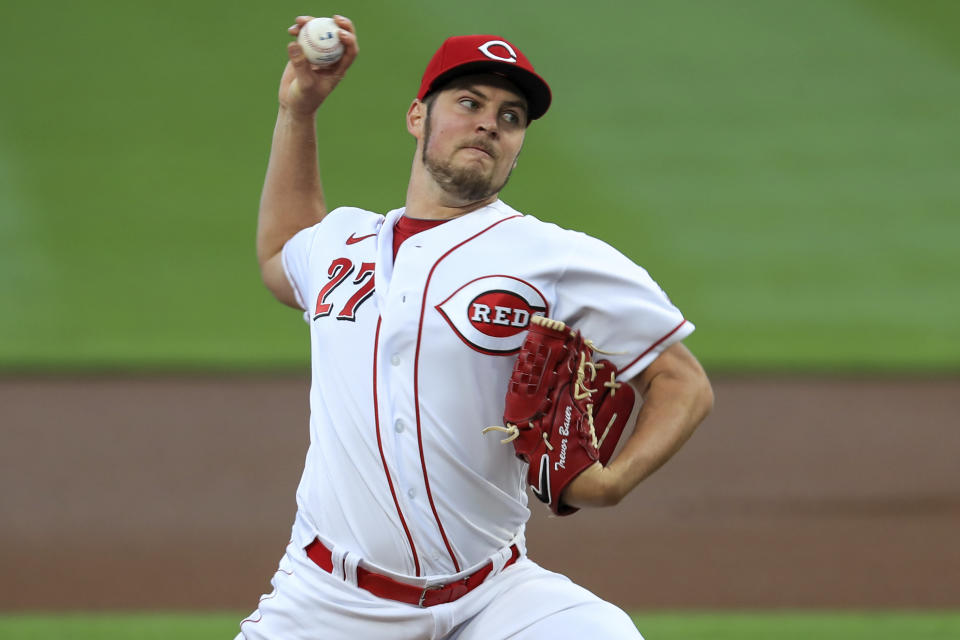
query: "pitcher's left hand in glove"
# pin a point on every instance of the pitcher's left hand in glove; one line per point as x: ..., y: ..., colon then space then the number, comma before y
x: 563, y: 411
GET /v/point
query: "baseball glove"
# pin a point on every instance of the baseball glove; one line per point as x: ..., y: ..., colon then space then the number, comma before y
x: 563, y: 410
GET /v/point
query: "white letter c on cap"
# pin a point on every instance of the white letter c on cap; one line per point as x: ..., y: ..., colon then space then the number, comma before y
x: 485, y: 50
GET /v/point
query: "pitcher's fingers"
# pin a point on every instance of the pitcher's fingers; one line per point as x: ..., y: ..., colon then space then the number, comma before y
x: 294, y: 29
x: 344, y: 23
x: 350, y: 50
x: 301, y: 66
x: 349, y: 42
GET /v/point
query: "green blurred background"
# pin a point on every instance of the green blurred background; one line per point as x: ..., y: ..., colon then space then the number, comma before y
x: 788, y: 171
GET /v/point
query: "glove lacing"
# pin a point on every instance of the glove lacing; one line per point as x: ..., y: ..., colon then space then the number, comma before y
x: 581, y: 391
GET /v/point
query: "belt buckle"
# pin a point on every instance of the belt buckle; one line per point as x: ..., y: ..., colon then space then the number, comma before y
x: 429, y: 587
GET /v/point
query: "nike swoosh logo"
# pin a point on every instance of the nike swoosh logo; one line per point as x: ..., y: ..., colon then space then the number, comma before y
x: 353, y: 239
x: 543, y: 491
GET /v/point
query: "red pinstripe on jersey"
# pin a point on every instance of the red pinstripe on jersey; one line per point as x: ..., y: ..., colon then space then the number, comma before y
x: 416, y: 384
x: 653, y: 346
x: 383, y: 459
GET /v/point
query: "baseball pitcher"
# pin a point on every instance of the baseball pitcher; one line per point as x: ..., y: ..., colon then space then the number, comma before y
x: 465, y: 356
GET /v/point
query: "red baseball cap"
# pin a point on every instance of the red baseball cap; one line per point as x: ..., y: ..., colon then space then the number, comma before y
x: 465, y: 55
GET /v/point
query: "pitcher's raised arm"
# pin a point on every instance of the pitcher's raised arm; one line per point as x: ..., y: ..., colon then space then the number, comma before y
x: 292, y: 197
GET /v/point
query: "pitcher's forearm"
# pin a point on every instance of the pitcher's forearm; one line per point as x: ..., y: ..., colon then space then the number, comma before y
x: 675, y: 403
x: 677, y: 396
x: 292, y: 197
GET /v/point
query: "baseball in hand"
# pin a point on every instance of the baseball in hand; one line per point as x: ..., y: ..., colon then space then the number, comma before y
x: 320, y: 42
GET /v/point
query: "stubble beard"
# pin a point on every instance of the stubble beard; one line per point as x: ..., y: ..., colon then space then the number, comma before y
x: 465, y: 183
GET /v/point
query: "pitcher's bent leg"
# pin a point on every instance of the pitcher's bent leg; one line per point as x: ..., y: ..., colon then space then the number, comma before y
x: 526, y: 601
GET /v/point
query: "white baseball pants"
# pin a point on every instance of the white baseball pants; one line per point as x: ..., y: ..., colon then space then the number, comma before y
x: 525, y: 601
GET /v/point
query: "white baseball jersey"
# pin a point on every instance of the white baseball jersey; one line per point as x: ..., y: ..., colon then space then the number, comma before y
x: 410, y: 363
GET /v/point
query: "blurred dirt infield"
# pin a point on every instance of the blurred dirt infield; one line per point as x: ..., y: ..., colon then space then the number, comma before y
x: 160, y: 493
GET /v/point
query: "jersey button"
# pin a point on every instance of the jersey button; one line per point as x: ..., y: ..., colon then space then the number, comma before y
x: 398, y: 426
x: 411, y: 493
x: 395, y: 360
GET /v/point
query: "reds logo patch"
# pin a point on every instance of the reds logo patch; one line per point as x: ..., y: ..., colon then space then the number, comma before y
x: 491, y: 314
x: 486, y: 46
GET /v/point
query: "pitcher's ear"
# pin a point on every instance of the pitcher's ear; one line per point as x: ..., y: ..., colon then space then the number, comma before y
x: 416, y: 116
